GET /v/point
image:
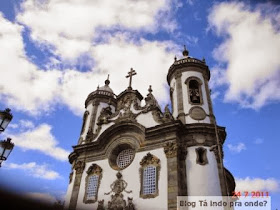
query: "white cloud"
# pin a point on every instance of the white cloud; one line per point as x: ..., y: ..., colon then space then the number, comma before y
x: 22, y: 85
x: 250, y: 49
x: 236, y: 148
x: 41, y: 197
x: 151, y: 61
x: 70, y: 25
x: 257, y: 184
x: 26, y: 124
x: 41, y: 139
x: 35, y: 170
x: 26, y: 88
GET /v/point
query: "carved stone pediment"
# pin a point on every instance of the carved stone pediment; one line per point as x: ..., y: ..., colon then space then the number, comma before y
x: 149, y: 159
x: 94, y: 168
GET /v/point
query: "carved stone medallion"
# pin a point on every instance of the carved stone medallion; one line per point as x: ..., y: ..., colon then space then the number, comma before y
x: 197, y: 113
x: 199, y: 138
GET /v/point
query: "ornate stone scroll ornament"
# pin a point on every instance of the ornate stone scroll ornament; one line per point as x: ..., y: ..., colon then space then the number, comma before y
x: 101, y: 205
x: 167, y: 116
x: 104, y: 115
x: 151, y: 102
x: 150, y: 159
x: 117, y: 187
x: 170, y: 149
x: 127, y: 115
x: 130, y: 205
x: 79, y: 167
x: 89, y: 136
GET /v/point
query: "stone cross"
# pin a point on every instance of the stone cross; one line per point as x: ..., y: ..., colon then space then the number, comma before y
x: 131, y: 73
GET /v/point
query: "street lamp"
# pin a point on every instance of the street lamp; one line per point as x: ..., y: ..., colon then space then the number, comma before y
x: 5, y: 119
x: 6, y: 147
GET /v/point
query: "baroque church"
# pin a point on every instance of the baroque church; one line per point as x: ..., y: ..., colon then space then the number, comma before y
x: 139, y: 157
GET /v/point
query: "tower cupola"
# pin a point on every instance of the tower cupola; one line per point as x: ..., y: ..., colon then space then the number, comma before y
x: 102, y: 97
x: 190, y: 96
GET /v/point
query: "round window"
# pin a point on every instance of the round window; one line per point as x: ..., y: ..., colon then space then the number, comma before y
x: 121, y: 156
x: 124, y: 158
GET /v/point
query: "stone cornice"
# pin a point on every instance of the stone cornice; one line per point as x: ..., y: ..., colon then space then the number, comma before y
x: 129, y: 91
x: 150, y: 138
x: 102, y: 96
x: 184, y: 64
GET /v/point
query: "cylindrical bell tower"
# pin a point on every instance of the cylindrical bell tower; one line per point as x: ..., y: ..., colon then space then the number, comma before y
x: 190, y: 96
x: 102, y: 97
x: 191, y: 104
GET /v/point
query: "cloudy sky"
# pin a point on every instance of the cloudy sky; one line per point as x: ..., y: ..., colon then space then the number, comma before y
x: 53, y: 53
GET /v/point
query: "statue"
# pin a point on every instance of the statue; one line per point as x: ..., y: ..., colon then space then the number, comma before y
x: 130, y: 205
x: 100, y: 205
x: 117, y: 187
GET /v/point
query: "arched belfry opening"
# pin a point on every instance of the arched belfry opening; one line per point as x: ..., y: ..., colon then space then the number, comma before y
x: 194, y: 92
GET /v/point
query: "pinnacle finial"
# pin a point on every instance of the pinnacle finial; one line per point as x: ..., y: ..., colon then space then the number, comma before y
x: 97, y: 87
x: 175, y: 58
x: 150, y: 89
x: 107, y: 81
x: 185, y: 52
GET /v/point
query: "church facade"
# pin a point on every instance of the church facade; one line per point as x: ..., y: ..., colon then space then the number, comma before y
x: 139, y: 157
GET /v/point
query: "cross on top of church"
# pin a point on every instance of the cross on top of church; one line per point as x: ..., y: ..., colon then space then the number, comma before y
x: 131, y: 73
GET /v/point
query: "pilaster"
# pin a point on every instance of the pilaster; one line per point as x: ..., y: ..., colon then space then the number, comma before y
x: 170, y: 150
x: 79, y: 168
x: 180, y: 102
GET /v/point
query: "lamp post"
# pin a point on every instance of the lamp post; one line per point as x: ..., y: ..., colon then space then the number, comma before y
x: 6, y: 146
x: 5, y: 119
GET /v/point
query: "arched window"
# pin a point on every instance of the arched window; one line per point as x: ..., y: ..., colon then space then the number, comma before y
x: 201, y: 156
x: 149, y: 173
x: 94, y: 175
x: 194, y: 90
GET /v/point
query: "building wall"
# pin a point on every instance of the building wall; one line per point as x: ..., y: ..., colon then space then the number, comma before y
x: 202, y: 180
x: 132, y: 176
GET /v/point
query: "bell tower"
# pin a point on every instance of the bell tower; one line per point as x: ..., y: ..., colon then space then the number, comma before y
x: 190, y: 96
x: 204, y: 172
x: 101, y: 100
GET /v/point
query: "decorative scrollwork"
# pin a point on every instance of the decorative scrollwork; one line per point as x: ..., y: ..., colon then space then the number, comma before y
x: 170, y: 149
x: 79, y: 167
x: 149, y: 159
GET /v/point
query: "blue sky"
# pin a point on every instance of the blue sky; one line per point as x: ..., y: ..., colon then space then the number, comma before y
x: 54, y: 53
